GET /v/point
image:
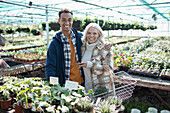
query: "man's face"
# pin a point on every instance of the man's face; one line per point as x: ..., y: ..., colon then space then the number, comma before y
x: 66, y: 21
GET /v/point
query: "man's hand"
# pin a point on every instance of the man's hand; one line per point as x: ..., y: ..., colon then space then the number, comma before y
x: 107, y: 47
x: 3, y: 64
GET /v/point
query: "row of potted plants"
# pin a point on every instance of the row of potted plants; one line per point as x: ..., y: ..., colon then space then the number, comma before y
x: 31, y: 55
x: 37, y: 96
x: 145, y: 70
x: 12, y: 30
x: 80, y: 25
x: 123, y: 54
x: 145, y: 57
x: 165, y: 74
x: 22, y: 45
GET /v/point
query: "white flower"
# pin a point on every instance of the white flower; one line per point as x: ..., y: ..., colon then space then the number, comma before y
x: 24, y: 86
x: 76, y: 94
x: 42, y: 103
x: 57, y: 111
x: 67, y: 98
x: 64, y: 109
x: 50, y: 109
x: 76, y: 101
x: 44, y: 92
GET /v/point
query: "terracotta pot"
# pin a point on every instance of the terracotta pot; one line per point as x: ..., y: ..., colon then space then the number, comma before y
x: 6, y: 104
x: 0, y: 103
x: 19, y: 109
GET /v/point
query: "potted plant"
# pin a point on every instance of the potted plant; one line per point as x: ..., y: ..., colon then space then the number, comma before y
x: 36, y: 107
x: 84, y: 105
x: 5, y: 98
x: 54, y: 25
x: 115, y: 100
x: 18, y: 106
x: 23, y: 95
x: 100, y: 91
x: 43, y: 25
x: 44, y: 105
x: 105, y: 107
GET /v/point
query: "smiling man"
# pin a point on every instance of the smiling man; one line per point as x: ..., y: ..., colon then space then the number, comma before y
x: 64, y: 52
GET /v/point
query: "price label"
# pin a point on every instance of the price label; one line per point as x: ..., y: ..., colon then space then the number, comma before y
x: 71, y: 85
x: 54, y: 80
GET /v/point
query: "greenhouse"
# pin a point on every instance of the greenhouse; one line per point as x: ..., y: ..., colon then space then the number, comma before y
x: 85, y: 56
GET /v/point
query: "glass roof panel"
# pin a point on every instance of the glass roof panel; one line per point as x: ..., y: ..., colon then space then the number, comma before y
x: 117, y: 10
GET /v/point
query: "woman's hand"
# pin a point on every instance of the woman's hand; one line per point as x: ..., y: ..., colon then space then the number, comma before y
x: 84, y: 64
x: 107, y: 46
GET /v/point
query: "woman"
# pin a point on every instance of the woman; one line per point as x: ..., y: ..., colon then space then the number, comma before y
x: 94, y: 57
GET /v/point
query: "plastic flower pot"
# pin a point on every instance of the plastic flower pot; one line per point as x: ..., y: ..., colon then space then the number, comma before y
x: 19, y: 109
x: 5, y: 105
x: 27, y: 110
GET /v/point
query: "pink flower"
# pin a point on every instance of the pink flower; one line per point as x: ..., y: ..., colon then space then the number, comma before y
x: 114, y: 55
x: 120, y: 54
x: 127, y: 60
x: 114, y: 68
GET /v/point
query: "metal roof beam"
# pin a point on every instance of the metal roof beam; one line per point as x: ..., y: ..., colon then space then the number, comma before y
x: 108, y: 8
x: 154, y: 9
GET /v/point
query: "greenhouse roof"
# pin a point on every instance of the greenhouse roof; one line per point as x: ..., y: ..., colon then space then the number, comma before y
x: 34, y: 11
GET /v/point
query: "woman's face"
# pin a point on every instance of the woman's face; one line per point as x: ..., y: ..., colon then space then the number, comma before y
x: 92, y: 35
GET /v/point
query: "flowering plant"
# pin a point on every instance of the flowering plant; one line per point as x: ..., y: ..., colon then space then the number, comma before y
x: 120, y: 59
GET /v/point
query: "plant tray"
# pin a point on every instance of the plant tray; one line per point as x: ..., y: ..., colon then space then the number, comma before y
x: 143, y: 73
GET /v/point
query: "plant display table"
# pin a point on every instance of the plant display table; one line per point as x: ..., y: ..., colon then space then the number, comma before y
x: 151, y: 82
x: 21, y: 68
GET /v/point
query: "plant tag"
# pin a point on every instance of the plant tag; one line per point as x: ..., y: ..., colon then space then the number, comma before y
x: 71, y: 85
x: 54, y: 80
x: 98, y: 100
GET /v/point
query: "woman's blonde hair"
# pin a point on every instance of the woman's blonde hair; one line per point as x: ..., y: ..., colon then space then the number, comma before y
x: 98, y: 28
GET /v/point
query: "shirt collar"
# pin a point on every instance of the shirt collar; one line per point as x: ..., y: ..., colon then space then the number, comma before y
x: 72, y: 35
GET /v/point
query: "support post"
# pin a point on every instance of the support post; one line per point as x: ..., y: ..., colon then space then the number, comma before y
x: 47, y: 26
x: 108, y: 30
x: 168, y: 29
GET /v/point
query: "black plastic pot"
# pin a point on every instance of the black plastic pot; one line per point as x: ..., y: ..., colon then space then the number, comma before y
x: 123, y: 68
x: 36, y: 111
x: 27, y: 110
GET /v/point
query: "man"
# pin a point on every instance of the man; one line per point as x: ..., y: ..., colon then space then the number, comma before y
x: 64, y: 52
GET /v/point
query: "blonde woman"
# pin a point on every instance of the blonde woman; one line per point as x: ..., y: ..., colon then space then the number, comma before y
x: 94, y: 57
